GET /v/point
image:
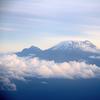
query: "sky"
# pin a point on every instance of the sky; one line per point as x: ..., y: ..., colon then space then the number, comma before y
x: 44, y: 23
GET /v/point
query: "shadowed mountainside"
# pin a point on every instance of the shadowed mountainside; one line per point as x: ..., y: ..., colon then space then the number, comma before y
x: 66, y: 51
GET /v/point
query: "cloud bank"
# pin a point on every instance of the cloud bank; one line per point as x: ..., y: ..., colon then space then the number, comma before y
x: 16, y: 68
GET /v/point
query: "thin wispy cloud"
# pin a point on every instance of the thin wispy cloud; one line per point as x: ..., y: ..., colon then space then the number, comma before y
x: 6, y: 29
x: 95, y: 57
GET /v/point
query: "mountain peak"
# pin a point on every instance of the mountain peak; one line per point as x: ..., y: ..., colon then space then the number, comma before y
x: 83, y: 45
x: 33, y: 50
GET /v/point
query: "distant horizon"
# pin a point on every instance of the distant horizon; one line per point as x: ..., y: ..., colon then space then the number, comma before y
x: 45, y: 44
x: 45, y: 47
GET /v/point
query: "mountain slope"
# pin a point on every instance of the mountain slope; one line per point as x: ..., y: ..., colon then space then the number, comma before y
x: 72, y: 51
x: 82, y: 45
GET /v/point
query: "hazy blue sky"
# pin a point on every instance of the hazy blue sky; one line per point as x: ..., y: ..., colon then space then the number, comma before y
x: 46, y: 22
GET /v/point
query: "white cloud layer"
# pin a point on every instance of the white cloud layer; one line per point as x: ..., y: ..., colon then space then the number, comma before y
x: 13, y: 67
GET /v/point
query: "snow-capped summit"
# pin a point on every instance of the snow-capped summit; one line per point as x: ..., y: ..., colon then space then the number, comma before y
x: 83, y: 45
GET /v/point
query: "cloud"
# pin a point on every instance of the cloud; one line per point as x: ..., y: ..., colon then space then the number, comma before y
x: 16, y: 68
x: 95, y: 57
x: 5, y: 84
x: 44, y: 82
x: 6, y: 29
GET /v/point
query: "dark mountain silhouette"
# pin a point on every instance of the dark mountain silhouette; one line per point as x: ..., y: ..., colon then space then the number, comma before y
x: 66, y: 51
x: 32, y: 51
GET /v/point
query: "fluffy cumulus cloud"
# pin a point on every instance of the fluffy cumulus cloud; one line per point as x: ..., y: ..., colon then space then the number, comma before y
x: 16, y: 68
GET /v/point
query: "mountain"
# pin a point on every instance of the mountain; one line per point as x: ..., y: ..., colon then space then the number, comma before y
x: 66, y: 51
x: 32, y: 51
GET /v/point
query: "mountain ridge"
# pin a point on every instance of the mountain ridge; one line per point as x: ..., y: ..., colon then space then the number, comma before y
x: 65, y: 51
